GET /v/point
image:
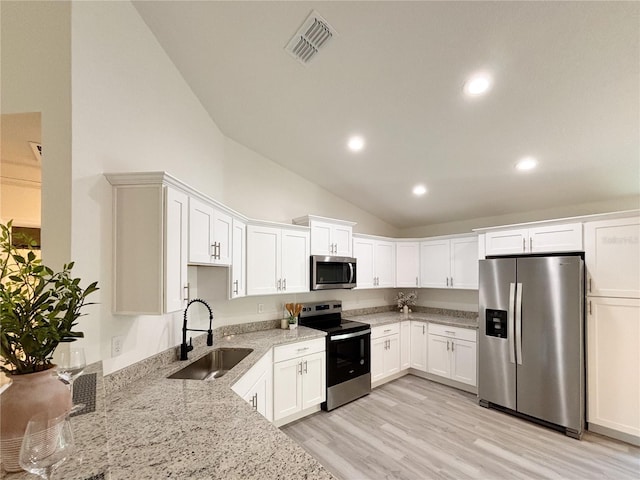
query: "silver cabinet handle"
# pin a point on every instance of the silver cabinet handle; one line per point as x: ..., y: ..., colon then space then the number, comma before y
x: 589, y: 285
x: 447, y: 345
x: 305, y: 366
x: 589, y: 307
x: 531, y: 244
x: 284, y: 284
x: 452, y: 281
x: 387, y: 330
x: 279, y: 284
x: 300, y: 369
x: 450, y: 332
x: 423, y: 329
x: 416, y: 281
x: 303, y: 349
x: 186, y: 291
x: 236, y: 288
x: 452, y: 344
x: 447, y: 281
x: 524, y: 245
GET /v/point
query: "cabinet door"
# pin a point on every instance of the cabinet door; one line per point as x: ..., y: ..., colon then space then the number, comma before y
x: 419, y: 345
x: 222, y: 233
x: 321, y: 238
x: 464, y: 263
x: 507, y: 242
x: 463, y: 361
x: 260, y: 394
x: 613, y: 364
x: 263, y: 254
x: 556, y: 238
x: 314, y: 390
x: 287, y: 391
x: 434, y: 263
x: 363, y: 251
x: 201, y: 219
x: 384, y: 266
x: 295, y: 261
x: 392, y: 356
x: 612, y: 256
x: 407, y: 264
x: 175, y: 251
x: 405, y: 345
x: 342, y: 240
x: 238, y: 259
x: 378, y: 351
x: 438, y: 355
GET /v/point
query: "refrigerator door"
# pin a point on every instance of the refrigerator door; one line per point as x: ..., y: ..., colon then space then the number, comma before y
x: 550, y: 380
x: 496, y: 360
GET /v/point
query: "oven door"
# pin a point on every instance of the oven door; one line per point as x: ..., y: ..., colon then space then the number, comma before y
x: 348, y: 356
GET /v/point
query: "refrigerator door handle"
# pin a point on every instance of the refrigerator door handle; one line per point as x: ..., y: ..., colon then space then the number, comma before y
x: 511, y: 323
x: 519, y: 323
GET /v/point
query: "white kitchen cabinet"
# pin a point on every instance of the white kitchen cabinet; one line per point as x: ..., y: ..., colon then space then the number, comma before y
x: 419, y: 345
x: 210, y: 234
x: 256, y: 386
x: 612, y: 257
x: 449, y: 263
x: 542, y: 239
x: 150, y: 244
x: 238, y: 287
x: 613, y: 364
x: 277, y: 260
x: 407, y: 264
x: 405, y: 345
x: 329, y: 236
x: 451, y: 353
x: 299, y: 377
x: 385, y: 351
x: 375, y: 262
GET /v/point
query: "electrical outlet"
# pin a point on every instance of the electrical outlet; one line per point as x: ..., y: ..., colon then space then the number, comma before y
x: 116, y: 345
x: 260, y: 308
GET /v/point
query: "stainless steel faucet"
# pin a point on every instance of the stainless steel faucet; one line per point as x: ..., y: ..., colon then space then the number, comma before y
x: 184, y: 348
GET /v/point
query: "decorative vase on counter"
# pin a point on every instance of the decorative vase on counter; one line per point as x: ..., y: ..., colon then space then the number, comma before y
x: 405, y: 311
x: 28, y: 395
x: 293, y: 324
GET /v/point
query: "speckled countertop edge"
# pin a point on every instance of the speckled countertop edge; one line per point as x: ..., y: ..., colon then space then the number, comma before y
x: 378, y: 319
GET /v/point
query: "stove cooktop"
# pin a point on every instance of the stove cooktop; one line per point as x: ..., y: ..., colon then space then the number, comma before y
x: 345, y: 326
x: 326, y: 316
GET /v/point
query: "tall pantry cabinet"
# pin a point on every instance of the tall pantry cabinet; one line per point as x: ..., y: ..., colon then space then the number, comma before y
x: 612, y: 256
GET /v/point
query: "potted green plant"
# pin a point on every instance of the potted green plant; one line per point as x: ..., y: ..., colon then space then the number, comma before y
x: 39, y: 308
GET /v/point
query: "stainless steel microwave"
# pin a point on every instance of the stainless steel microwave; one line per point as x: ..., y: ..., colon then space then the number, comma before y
x: 330, y: 273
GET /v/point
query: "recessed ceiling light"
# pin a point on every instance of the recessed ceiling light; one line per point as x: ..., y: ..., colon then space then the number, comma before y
x: 356, y: 143
x: 419, y: 190
x: 477, y: 84
x: 527, y: 163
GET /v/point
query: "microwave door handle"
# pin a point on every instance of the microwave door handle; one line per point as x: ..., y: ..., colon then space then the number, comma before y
x: 350, y: 272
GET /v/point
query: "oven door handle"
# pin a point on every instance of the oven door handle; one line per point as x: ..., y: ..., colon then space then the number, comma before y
x: 344, y: 336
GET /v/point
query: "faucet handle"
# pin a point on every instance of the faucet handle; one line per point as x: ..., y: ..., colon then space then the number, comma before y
x: 190, y: 346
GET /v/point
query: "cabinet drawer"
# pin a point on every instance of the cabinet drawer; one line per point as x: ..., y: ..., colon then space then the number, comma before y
x: 293, y: 350
x: 384, y: 330
x: 452, y: 332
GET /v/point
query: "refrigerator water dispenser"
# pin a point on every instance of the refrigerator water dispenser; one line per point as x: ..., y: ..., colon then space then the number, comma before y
x: 496, y: 325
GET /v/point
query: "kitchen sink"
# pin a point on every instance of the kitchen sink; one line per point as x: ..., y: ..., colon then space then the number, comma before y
x: 213, y: 365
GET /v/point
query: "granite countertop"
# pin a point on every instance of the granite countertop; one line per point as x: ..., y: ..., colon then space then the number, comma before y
x: 385, y: 318
x: 189, y: 429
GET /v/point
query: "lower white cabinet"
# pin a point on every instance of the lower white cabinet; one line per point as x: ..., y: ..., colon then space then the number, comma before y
x: 613, y: 364
x: 385, y: 351
x: 451, y: 353
x: 299, y: 377
x: 419, y: 345
x: 405, y: 345
x: 256, y: 386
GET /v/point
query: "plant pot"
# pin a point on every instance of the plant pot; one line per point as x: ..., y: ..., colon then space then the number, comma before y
x: 27, y: 395
x: 293, y: 326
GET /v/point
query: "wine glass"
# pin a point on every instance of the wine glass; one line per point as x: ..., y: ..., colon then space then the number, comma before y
x: 47, y: 442
x: 70, y: 367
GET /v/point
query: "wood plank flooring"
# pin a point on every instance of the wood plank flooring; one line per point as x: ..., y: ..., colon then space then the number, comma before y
x: 414, y: 429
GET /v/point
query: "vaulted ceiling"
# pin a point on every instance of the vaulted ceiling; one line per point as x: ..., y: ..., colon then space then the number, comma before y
x: 565, y: 89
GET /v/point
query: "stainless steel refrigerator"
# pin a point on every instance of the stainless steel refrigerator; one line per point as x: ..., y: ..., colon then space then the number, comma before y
x: 531, y: 342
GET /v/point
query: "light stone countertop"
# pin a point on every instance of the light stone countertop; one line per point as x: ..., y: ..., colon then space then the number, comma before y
x: 385, y: 318
x: 191, y: 429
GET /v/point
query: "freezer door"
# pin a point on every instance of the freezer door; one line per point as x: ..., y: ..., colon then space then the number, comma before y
x: 551, y: 379
x: 496, y: 361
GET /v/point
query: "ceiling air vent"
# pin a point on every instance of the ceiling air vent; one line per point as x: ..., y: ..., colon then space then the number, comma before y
x: 307, y: 41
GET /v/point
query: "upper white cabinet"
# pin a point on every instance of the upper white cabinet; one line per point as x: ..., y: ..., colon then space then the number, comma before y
x: 542, y: 239
x: 150, y: 244
x: 277, y: 260
x: 238, y: 287
x: 407, y: 264
x: 210, y: 233
x: 328, y: 236
x: 449, y: 263
x: 375, y: 262
x: 612, y: 256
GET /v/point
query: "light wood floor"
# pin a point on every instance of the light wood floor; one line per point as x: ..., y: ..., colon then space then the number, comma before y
x: 415, y: 429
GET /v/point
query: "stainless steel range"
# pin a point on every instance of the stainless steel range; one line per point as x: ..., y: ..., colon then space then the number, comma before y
x: 348, y: 352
